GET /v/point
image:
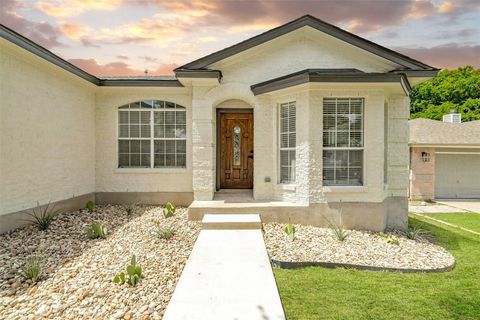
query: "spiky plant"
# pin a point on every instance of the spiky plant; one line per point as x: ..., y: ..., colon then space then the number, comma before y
x: 42, y: 217
x: 90, y: 206
x: 33, y: 266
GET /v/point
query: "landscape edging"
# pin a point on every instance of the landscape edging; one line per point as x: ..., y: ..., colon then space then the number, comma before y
x: 332, y: 265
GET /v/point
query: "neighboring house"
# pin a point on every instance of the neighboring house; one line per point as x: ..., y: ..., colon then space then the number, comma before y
x: 444, y: 158
x: 312, y: 118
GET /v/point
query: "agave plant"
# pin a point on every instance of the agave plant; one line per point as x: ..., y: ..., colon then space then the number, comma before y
x: 42, y: 217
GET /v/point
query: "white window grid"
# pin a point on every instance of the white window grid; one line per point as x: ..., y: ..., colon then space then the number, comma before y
x: 330, y: 141
x: 151, y: 108
x: 287, y: 142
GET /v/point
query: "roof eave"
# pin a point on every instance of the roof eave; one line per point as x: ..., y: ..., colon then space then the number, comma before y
x: 312, y: 76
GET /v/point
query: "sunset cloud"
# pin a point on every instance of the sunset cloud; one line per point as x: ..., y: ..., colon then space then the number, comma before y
x: 448, y: 56
x: 64, y: 9
x: 42, y: 32
x: 128, y: 36
x: 119, y: 68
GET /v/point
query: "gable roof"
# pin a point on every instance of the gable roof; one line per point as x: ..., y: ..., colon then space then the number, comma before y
x: 311, y: 21
x: 434, y: 132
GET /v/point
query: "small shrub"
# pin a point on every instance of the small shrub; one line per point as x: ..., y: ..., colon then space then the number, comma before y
x: 290, y: 231
x: 165, y: 233
x: 129, y: 209
x: 389, y: 238
x: 133, y: 276
x: 339, y: 232
x: 90, y: 206
x: 169, y: 210
x: 96, y: 231
x: 42, y: 218
x: 33, y: 266
x: 415, y: 233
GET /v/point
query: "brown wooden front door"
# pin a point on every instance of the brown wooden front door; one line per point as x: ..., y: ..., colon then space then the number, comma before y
x: 236, y: 150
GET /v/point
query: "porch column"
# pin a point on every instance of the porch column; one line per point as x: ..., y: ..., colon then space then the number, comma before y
x: 302, y: 174
x: 203, y: 145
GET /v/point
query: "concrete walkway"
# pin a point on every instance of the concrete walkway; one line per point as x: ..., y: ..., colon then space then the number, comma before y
x: 472, y: 205
x: 228, y: 274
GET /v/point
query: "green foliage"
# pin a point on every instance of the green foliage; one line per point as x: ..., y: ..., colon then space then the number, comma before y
x: 90, y: 206
x: 129, y: 209
x: 417, y: 233
x: 33, y: 266
x: 169, y: 210
x: 97, y: 231
x: 457, y: 90
x: 133, y: 275
x: 290, y: 231
x: 42, y: 217
x: 389, y: 238
x: 339, y: 231
x: 164, y: 233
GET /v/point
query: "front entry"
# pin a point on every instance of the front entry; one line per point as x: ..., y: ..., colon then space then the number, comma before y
x: 236, y: 150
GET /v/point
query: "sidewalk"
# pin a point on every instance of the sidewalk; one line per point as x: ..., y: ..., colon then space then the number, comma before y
x: 228, y: 276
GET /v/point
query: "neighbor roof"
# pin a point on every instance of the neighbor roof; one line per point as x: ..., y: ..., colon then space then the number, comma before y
x: 433, y: 132
x: 308, y: 20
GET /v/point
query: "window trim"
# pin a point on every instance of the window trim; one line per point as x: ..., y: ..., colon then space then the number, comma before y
x: 335, y: 187
x: 292, y: 182
x: 152, y: 138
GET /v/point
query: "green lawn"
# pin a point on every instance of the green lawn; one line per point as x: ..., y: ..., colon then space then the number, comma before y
x: 320, y: 293
x: 467, y: 220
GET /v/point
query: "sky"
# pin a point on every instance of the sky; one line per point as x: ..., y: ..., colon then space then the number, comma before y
x: 125, y: 37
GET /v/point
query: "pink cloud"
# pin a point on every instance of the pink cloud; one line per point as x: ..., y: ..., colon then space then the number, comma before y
x: 42, y: 33
x: 449, y: 56
x: 118, y: 68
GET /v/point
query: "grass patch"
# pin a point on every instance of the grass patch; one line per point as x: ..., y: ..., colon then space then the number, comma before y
x: 467, y: 220
x: 321, y: 293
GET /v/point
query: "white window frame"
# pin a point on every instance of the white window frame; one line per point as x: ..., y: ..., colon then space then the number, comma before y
x: 152, y: 137
x: 349, y: 148
x: 292, y: 178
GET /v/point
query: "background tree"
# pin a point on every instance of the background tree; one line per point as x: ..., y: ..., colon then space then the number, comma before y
x: 457, y: 90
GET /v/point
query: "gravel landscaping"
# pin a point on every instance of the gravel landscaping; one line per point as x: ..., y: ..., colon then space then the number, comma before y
x: 364, y: 248
x: 78, y: 272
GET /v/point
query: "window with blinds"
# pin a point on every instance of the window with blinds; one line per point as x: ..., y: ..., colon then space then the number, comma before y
x: 343, y: 141
x: 287, y: 141
x: 152, y: 134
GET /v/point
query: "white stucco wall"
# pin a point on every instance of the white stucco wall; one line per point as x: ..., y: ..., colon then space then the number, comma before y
x: 47, y: 132
x: 109, y: 178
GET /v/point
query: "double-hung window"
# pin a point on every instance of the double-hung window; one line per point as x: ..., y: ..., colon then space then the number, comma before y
x: 152, y: 134
x: 343, y: 141
x: 287, y: 142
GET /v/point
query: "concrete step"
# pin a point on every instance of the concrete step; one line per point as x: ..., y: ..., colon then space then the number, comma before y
x: 268, y: 210
x: 231, y: 221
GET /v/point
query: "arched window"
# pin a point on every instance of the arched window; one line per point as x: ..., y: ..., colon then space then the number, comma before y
x: 152, y: 134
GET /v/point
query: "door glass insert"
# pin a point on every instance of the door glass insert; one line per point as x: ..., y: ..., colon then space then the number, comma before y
x: 237, y: 141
